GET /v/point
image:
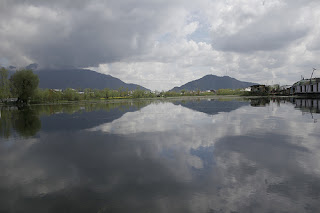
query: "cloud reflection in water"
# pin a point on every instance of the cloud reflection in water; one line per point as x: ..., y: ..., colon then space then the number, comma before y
x: 169, y: 158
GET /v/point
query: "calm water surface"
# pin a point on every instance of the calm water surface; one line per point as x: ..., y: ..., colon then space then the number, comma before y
x: 255, y: 155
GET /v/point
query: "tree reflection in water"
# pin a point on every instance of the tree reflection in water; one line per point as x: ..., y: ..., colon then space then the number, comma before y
x: 196, y: 156
x: 28, y: 120
x: 23, y: 120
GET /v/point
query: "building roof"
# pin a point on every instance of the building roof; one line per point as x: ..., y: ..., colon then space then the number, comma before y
x: 258, y: 85
x: 307, y: 82
x: 285, y: 87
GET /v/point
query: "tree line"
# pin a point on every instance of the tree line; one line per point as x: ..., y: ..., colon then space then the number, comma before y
x: 69, y: 94
x: 23, y: 85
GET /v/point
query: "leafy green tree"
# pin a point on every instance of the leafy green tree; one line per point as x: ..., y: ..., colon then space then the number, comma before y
x: 123, y: 92
x: 38, y: 96
x: 4, y: 84
x: 98, y: 93
x: 138, y: 93
x: 88, y: 94
x: 24, y: 84
x: 106, y: 93
x: 71, y: 95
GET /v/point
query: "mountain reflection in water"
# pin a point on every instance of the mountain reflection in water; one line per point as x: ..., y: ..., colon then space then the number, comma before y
x: 165, y: 156
x: 28, y: 120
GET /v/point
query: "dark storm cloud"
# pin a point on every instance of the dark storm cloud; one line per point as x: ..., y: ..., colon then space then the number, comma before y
x: 148, y: 42
x: 79, y: 33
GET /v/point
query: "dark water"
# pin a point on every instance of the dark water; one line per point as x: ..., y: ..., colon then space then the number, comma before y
x: 178, y: 156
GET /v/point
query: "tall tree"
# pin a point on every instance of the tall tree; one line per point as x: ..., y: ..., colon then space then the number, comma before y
x: 4, y: 84
x: 24, y: 84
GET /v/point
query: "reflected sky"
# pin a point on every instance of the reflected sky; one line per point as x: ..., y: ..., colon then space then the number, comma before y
x: 191, y: 156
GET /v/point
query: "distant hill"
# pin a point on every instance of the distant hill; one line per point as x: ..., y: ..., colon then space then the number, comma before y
x: 213, y: 82
x: 79, y: 79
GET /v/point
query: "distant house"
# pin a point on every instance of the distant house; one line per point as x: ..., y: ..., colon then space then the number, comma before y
x: 306, y: 86
x: 258, y: 88
x: 284, y: 90
x: 248, y: 89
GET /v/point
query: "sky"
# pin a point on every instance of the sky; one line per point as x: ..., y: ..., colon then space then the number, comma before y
x: 160, y: 44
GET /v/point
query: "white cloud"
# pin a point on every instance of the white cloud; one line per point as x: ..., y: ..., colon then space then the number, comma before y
x: 162, y: 44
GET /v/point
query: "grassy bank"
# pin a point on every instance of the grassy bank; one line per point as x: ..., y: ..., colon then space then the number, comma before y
x: 54, y: 96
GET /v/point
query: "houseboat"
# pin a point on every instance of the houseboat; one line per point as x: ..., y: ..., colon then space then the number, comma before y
x: 306, y: 87
x: 259, y: 88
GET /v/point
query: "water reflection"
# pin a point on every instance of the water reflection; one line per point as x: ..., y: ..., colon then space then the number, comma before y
x: 212, y: 106
x: 259, y: 102
x: 312, y: 105
x: 25, y: 121
x: 165, y: 157
x: 309, y: 107
x: 86, y: 115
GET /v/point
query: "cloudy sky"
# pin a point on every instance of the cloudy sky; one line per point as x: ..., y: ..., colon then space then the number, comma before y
x: 160, y: 44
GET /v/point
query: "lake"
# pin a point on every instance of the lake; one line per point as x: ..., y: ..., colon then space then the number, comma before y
x: 195, y: 155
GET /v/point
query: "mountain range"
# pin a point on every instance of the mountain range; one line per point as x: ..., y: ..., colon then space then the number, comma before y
x: 213, y: 82
x: 84, y: 78
x: 78, y: 78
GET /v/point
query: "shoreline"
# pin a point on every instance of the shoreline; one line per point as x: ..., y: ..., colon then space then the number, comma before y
x: 122, y: 100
